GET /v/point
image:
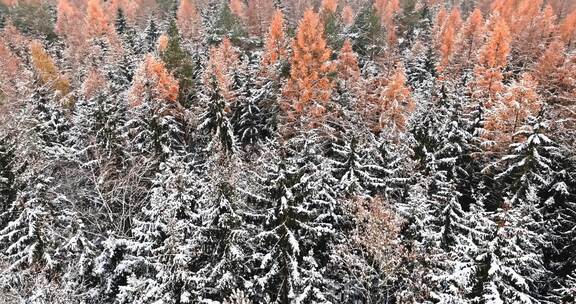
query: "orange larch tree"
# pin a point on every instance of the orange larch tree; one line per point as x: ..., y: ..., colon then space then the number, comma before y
x: 275, y: 42
x: 93, y: 83
x: 455, y: 18
x: 532, y: 29
x: 46, y: 69
x: 567, y: 29
x: 67, y: 17
x: 553, y: 72
x: 492, y: 59
x: 309, y: 88
x: 223, y: 61
x: 153, y: 82
x: 447, y: 37
x: 162, y: 43
x: 503, y: 8
x: 11, y: 72
x: 347, y: 15
x: 348, y: 70
x: 96, y: 21
x: 387, y: 9
x: 238, y: 8
x: 519, y: 102
x: 446, y: 46
x: 469, y: 41
x: 188, y: 19
x: 329, y: 6
x: 259, y: 15
x: 439, y: 21
x: 396, y: 102
x: 524, y: 15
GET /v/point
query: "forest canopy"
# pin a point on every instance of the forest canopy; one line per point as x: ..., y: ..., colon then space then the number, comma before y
x: 288, y: 151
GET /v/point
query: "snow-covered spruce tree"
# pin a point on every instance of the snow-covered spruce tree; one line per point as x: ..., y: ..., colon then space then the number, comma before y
x: 353, y: 169
x: 9, y: 173
x: 428, y: 125
x: 227, y: 248
x: 368, y: 34
x: 509, y: 267
x: 291, y: 265
x: 180, y: 63
x: 50, y: 125
x: 154, y: 130
x: 215, y: 121
x: 121, y: 74
x: 510, y: 264
x: 421, y: 69
x: 559, y: 211
x: 29, y: 240
x: 250, y: 118
x: 530, y: 162
x: 99, y: 129
x: 149, y: 38
x: 157, y: 264
x: 391, y: 165
x: 450, y: 236
x: 126, y: 32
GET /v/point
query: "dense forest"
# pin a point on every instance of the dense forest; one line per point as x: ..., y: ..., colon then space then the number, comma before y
x: 287, y: 151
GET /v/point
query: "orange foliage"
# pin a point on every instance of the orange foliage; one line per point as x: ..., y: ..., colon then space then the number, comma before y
x: 347, y: 15
x: 46, y: 69
x: 554, y: 73
x: 11, y: 71
x: 67, y: 18
x: 259, y: 15
x: 503, y: 8
x: 153, y: 80
x: 519, y: 102
x: 447, y: 44
x: 455, y: 18
x: 348, y: 69
x: 492, y: 58
x: 10, y: 2
x: 223, y: 61
x: 238, y: 8
x: 96, y: 20
x: 386, y: 102
x: 329, y: 6
x: 470, y: 37
x: 439, y: 22
x: 494, y: 53
x: 396, y: 102
x: 568, y: 29
x: 93, y: 84
x: 446, y: 33
x: 15, y: 40
x: 187, y: 19
x: 275, y: 42
x: 527, y: 11
x: 387, y: 9
x: 309, y: 88
x: 532, y: 30
x: 162, y: 43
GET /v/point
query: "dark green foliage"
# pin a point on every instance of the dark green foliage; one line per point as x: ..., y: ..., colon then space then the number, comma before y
x: 126, y: 32
x: 368, y: 34
x: 31, y: 18
x: 215, y: 121
x: 179, y: 63
x: 226, y: 25
x: 150, y: 39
